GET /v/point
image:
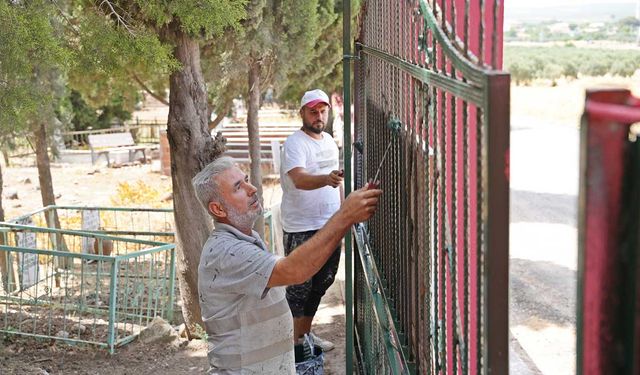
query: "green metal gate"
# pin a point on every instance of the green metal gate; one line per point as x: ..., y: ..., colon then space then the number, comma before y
x: 431, y: 268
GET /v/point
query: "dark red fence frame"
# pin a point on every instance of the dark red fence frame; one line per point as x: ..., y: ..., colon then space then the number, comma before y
x: 608, y: 328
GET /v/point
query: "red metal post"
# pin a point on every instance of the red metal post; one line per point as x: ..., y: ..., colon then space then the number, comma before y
x: 608, y: 327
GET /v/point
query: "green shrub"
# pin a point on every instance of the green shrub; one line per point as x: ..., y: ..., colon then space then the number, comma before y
x: 596, y: 68
x: 552, y: 71
x: 528, y: 63
x: 624, y: 67
x: 521, y: 73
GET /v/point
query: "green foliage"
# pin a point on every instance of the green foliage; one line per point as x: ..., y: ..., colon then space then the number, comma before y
x: 205, y: 17
x: 622, y: 30
x: 299, y: 44
x: 325, y: 71
x: 624, y: 67
x: 528, y: 63
x: 32, y: 60
x: 124, y: 53
x: 552, y: 71
x: 111, y: 58
x: 85, y: 116
x: 521, y: 72
x: 595, y: 67
x: 569, y: 70
x: 629, y: 22
x: 279, y: 35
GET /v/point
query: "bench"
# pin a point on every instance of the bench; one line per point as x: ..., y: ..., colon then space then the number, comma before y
x: 102, y: 144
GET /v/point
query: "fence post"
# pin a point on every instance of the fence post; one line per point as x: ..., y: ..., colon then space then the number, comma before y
x: 608, y: 316
x: 496, y: 263
x: 113, y: 290
x: 346, y: 83
x: 172, y: 279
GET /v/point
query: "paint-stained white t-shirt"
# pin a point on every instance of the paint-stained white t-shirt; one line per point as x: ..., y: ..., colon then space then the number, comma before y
x: 249, y: 326
x: 304, y: 210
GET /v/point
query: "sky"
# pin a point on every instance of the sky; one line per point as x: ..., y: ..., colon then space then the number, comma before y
x: 568, y: 10
x: 546, y: 3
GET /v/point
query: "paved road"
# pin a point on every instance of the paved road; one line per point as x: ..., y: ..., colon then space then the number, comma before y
x: 543, y: 246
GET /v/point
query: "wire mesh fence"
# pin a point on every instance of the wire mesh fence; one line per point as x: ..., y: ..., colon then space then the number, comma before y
x: 431, y: 271
x: 103, y: 294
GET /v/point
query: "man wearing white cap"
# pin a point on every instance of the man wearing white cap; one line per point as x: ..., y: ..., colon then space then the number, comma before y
x: 310, y: 175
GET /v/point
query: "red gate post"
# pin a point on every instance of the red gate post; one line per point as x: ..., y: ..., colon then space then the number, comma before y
x: 608, y: 326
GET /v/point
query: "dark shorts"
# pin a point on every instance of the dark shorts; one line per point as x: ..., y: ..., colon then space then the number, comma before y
x: 304, y: 298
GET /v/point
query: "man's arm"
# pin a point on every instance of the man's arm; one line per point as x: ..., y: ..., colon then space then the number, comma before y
x: 309, y: 257
x: 304, y: 180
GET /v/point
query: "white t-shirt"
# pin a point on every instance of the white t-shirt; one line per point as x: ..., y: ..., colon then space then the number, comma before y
x: 304, y: 210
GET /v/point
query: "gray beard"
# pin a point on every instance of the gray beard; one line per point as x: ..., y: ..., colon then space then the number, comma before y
x: 243, y: 221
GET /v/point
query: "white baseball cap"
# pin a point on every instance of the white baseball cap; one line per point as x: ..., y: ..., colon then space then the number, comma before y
x: 313, y: 97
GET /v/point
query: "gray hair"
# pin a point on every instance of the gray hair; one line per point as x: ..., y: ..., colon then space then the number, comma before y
x: 205, y: 184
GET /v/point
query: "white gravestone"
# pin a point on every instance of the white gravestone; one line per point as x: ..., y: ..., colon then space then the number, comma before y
x: 90, y: 222
x: 28, y: 267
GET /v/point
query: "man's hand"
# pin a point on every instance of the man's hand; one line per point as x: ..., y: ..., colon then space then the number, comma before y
x: 361, y: 204
x: 334, y: 179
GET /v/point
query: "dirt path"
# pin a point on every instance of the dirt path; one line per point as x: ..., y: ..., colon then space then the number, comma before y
x: 543, y: 244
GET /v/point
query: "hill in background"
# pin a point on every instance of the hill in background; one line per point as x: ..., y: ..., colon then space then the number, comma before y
x: 592, y: 12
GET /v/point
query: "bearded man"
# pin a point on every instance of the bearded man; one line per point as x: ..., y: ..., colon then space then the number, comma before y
x: 310, y: 175
x: 241, y: 285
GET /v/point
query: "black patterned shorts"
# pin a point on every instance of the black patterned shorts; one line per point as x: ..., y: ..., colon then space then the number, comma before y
x: 304, y: 298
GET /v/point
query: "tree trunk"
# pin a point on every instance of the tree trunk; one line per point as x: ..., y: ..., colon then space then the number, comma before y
x: 46, y: 191
x: 191, y: 148
x: 5, y: 154
x: 329, y: 127
x: 44, y: 174
x: 253, y: 129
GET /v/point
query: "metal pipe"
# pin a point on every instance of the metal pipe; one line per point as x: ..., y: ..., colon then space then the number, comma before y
x: 346, y: 83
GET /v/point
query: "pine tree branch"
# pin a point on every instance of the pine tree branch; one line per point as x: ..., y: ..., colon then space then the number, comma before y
x: 69, y: 24
x: 224, y: 109
x: 148, y: 90
x: 119, y: 19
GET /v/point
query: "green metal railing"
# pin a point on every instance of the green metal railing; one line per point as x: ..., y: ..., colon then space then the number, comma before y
x: 384, y: 353
x: 99, y: 280
x: 154, y: 224
x: 103, y: 297
x: 431, y: 267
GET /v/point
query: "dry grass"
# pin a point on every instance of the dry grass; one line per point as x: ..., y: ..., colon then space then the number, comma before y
x: 542, y: 104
